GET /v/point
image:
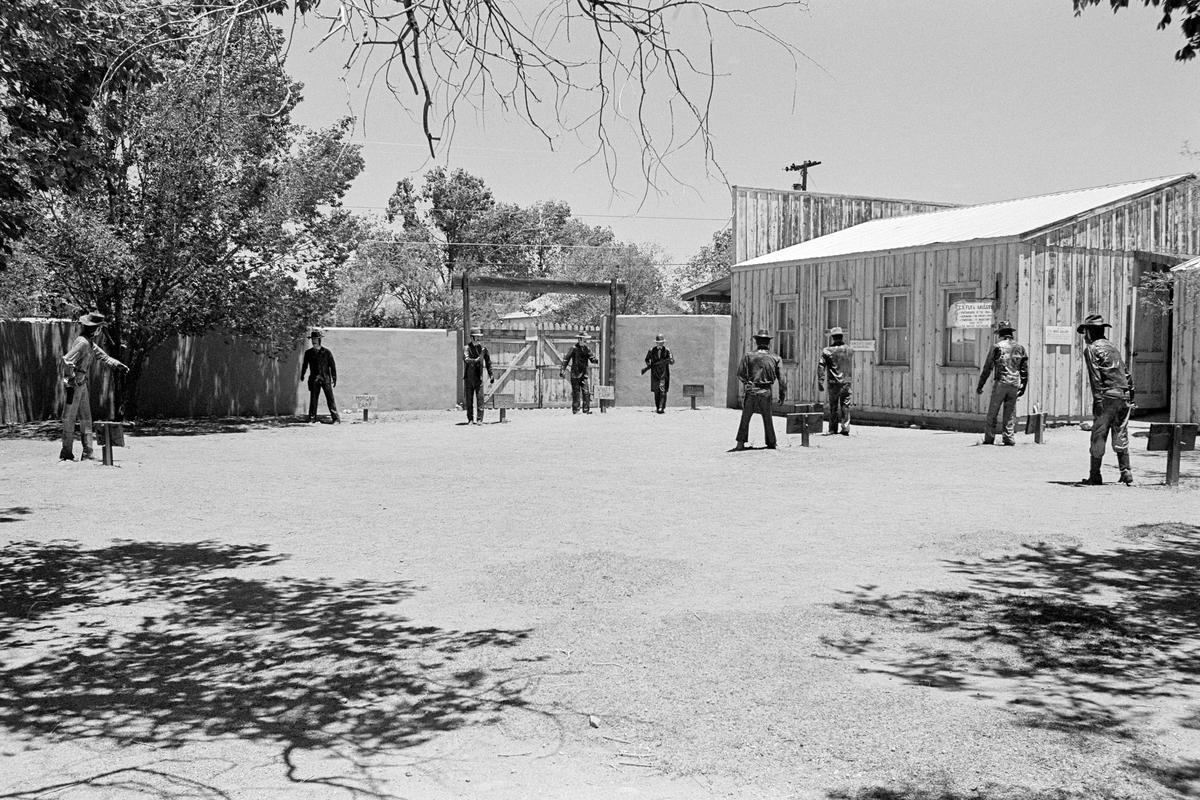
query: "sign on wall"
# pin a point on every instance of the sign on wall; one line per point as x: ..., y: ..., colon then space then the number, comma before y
x: 973, y: 314
x: 864, y: 345
x: 1060, y: 334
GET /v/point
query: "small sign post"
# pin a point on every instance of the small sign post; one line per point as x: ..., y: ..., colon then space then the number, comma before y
x: 1174, y: 437
x: 504, y: 402
x: 603, y: 392
x: 365, y: 402
x: 805, y: 424
x: 111, y: 435
x: 693, y: 390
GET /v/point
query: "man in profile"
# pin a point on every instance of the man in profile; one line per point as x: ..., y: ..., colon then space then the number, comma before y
x: 758, y: 373
x: 76, y: 364
x: 1112, y: 399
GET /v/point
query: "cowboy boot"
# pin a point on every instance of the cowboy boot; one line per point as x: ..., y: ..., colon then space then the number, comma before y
x: 1126, y: 472
x: 1093, y: 478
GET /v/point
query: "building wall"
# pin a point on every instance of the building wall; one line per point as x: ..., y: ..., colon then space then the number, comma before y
x: 1185, y: 362
x: 766, y: 220
x: 700, y: 345
x: 1165, y: 221
x: 30, y: 355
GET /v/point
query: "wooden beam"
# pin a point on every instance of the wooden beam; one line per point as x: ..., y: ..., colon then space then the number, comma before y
x: 542, y: 285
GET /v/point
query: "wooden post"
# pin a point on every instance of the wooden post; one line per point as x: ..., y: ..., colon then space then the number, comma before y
x: 1039, y: 428
x: 612, y: 334
x: 1173, y: 452
x: 502, y: 410
x: 804, y: 432
x: 108, y: 447
x: 466, y: 309
x: 365, y: 411
x: 1174, y: 437
x: 693, y: 402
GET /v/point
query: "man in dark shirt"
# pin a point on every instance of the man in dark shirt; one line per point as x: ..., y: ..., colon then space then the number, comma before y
x: 758, y: 372
x: 1007, y: 365
x: 475, y: 360
x: 576, y: 361
x: 322, y: 376
x: 1112, y: 399
x: 837, y: 366
x: 658, y: 364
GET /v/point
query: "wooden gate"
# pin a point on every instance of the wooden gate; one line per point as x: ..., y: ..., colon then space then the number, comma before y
x: 526, y: 364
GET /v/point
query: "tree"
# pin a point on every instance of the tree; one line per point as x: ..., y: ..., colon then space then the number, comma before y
x: 1189, y: 19
x: 208, y: 212
x: 713, y: 261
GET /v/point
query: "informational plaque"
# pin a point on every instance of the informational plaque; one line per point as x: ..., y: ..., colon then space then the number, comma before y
x: 603, y: 392
x: 364, y: 400
x: 864, y: 345
x: 1060, y: 334
x: 504, y: 401
x: 974, y: 314
x: 693, y: 390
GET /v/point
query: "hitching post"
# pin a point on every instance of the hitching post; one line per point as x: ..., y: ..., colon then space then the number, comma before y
x: 108, y: 447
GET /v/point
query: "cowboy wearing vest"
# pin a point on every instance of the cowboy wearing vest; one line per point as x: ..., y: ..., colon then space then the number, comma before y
x: 1007, y: 365
x: 658, y: 363
x: 476, y: 359
x: 577, y: 361
x: 837, y: 364
x: 322, y: 376
x: 76, y: 364
x: 1112, y: 399
x: 758, y: 372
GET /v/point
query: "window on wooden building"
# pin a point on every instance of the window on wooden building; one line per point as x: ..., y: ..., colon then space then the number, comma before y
x: 893, y: 334
x: 785, y: 327
x: 837, y: 314
x: 958, y: 344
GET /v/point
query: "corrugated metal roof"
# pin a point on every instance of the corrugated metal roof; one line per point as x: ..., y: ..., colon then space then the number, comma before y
x: 1008, y: 218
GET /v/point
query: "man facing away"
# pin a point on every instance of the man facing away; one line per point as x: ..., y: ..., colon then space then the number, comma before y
x: 1007, y: 365
x: 837, y: 366
x: 476, y: 359
x: 658, y: 363
x: 758, y: 372
x: 322, y: 376
x: 1112, y: 398
x: 76, y: 363
x: 577, y: 360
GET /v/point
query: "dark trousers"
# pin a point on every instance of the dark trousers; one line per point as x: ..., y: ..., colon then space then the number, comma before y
x: 581, y: 388
x: 756, y: 404
x: 1004, y: 397
x: 838, y: 397
x: 1110, y: 417
x: 473, y: 400
x: 314, y: 391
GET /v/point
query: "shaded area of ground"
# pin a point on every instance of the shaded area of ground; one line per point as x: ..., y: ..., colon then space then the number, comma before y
x: 166, y: 643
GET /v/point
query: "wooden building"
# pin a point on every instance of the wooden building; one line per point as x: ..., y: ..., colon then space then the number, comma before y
x: 1043, y: 262
x: 1185, y: 343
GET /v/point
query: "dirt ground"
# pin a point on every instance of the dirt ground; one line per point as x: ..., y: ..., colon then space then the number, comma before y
x: 609, y: 606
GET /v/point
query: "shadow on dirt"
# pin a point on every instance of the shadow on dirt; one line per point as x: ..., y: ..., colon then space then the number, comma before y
x: 14, y: 513
x: 51, y: 430
x: 159, y: 643
x: 941, y: 791
x: 1070, y: 640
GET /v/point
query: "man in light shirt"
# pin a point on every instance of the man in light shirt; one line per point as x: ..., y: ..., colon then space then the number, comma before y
x: 76, y: 364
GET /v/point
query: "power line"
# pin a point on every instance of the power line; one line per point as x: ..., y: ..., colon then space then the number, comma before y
x: 573, y: 214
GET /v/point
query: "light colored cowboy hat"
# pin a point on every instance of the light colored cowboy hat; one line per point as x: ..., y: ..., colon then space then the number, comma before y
x: 763, y: 333
x: 836, y: 331
x: 477, y: 331
x: 93, y: 319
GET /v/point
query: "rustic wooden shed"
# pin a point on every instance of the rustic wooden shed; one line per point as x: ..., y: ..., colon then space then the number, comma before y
x: 1185, y: 343
x: 1043, y: 262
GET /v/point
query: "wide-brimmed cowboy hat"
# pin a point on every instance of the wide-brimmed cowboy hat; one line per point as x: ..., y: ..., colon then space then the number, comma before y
x: 584, y: 335
x: 660, y: 338
x: 1004, y: 325
x: 316, y: 334
x: 763, y: 333
x: 836, y: 331
x: 477, y: 331
x: 93, y: 319
x: 1092, y: 321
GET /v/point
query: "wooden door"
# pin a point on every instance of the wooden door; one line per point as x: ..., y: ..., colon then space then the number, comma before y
x: 1149, y: 360
x: 527, y: 363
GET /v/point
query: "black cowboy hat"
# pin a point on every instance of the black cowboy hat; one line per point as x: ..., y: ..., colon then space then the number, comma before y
x: 1092, y: 321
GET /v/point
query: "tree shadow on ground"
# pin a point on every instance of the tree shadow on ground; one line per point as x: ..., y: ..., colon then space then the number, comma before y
x: 14, y: 513
x: 1071, y: 640
x: 990, y: 791
x: 160, y: 643
x: 51, y: 430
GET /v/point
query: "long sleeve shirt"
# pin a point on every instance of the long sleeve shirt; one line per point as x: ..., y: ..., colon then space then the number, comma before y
x: 577, y: 360
x: 78, y: 360
x: 476, y: 359
x: 759, y: 371
x: 1007, y: 362
x: 319, y: 364
x: 659, y: 360
x: 836, y: 364
x: 1106, y: 371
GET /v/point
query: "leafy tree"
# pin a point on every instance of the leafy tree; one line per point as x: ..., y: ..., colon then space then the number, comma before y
x: 713, y: 261
x: 208, y: 212
x: 1189, y: 19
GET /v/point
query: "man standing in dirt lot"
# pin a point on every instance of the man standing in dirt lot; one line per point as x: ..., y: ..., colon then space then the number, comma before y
x: 577, y: 360
x: 322, y: 376
x: 1008, y: 365
x: 658, y: 363
x: 75, y: 366
x: 837, y: 365
x: 758, y: 372
x: 1112, y: 398
x: 476, y: 359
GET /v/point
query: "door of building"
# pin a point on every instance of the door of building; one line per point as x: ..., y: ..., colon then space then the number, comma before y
x: 1150, y: 345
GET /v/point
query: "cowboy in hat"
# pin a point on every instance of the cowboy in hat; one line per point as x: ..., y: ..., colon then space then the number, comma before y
x: 758, y: 372
x: 837, y: 364
x: 577, y: 360
x: 658, y: 364
x: 75, y: 366
x: 1112, y: 398
x: 476, y: 359
x: 322, y: 376
x: 1008, y: 365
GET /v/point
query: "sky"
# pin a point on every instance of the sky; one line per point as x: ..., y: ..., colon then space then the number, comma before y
x: 937, y: 100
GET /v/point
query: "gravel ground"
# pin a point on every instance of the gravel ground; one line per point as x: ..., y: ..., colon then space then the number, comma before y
x: 594, y: 607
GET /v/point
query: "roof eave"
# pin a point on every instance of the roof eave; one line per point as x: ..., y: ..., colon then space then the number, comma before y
x: 885, y: 252
x: 1042, y: 230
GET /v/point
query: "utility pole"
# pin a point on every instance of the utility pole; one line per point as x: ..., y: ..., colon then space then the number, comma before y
x: 803, y: 170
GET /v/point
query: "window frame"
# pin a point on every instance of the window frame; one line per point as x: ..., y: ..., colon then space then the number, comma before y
x: 776, y: 301
x: 944, y: 357
x: 840, y: 297
x: 884, y: 295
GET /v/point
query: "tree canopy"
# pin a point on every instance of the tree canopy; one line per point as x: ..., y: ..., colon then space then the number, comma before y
x: 1188, y: 12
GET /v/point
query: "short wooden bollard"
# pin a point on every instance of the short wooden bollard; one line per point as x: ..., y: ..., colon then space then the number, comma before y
x: 693, y: 390
x: 111, y: 435
x: 504, y: 402
x: 804, y: 424
x: 1036, y: 424
x: 1173, y: 437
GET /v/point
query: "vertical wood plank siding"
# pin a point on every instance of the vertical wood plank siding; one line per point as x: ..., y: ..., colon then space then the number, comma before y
x: 1087, y: 265
x: 766, y: 220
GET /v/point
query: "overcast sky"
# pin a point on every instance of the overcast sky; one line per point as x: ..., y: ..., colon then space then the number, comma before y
x: 945, y: 101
